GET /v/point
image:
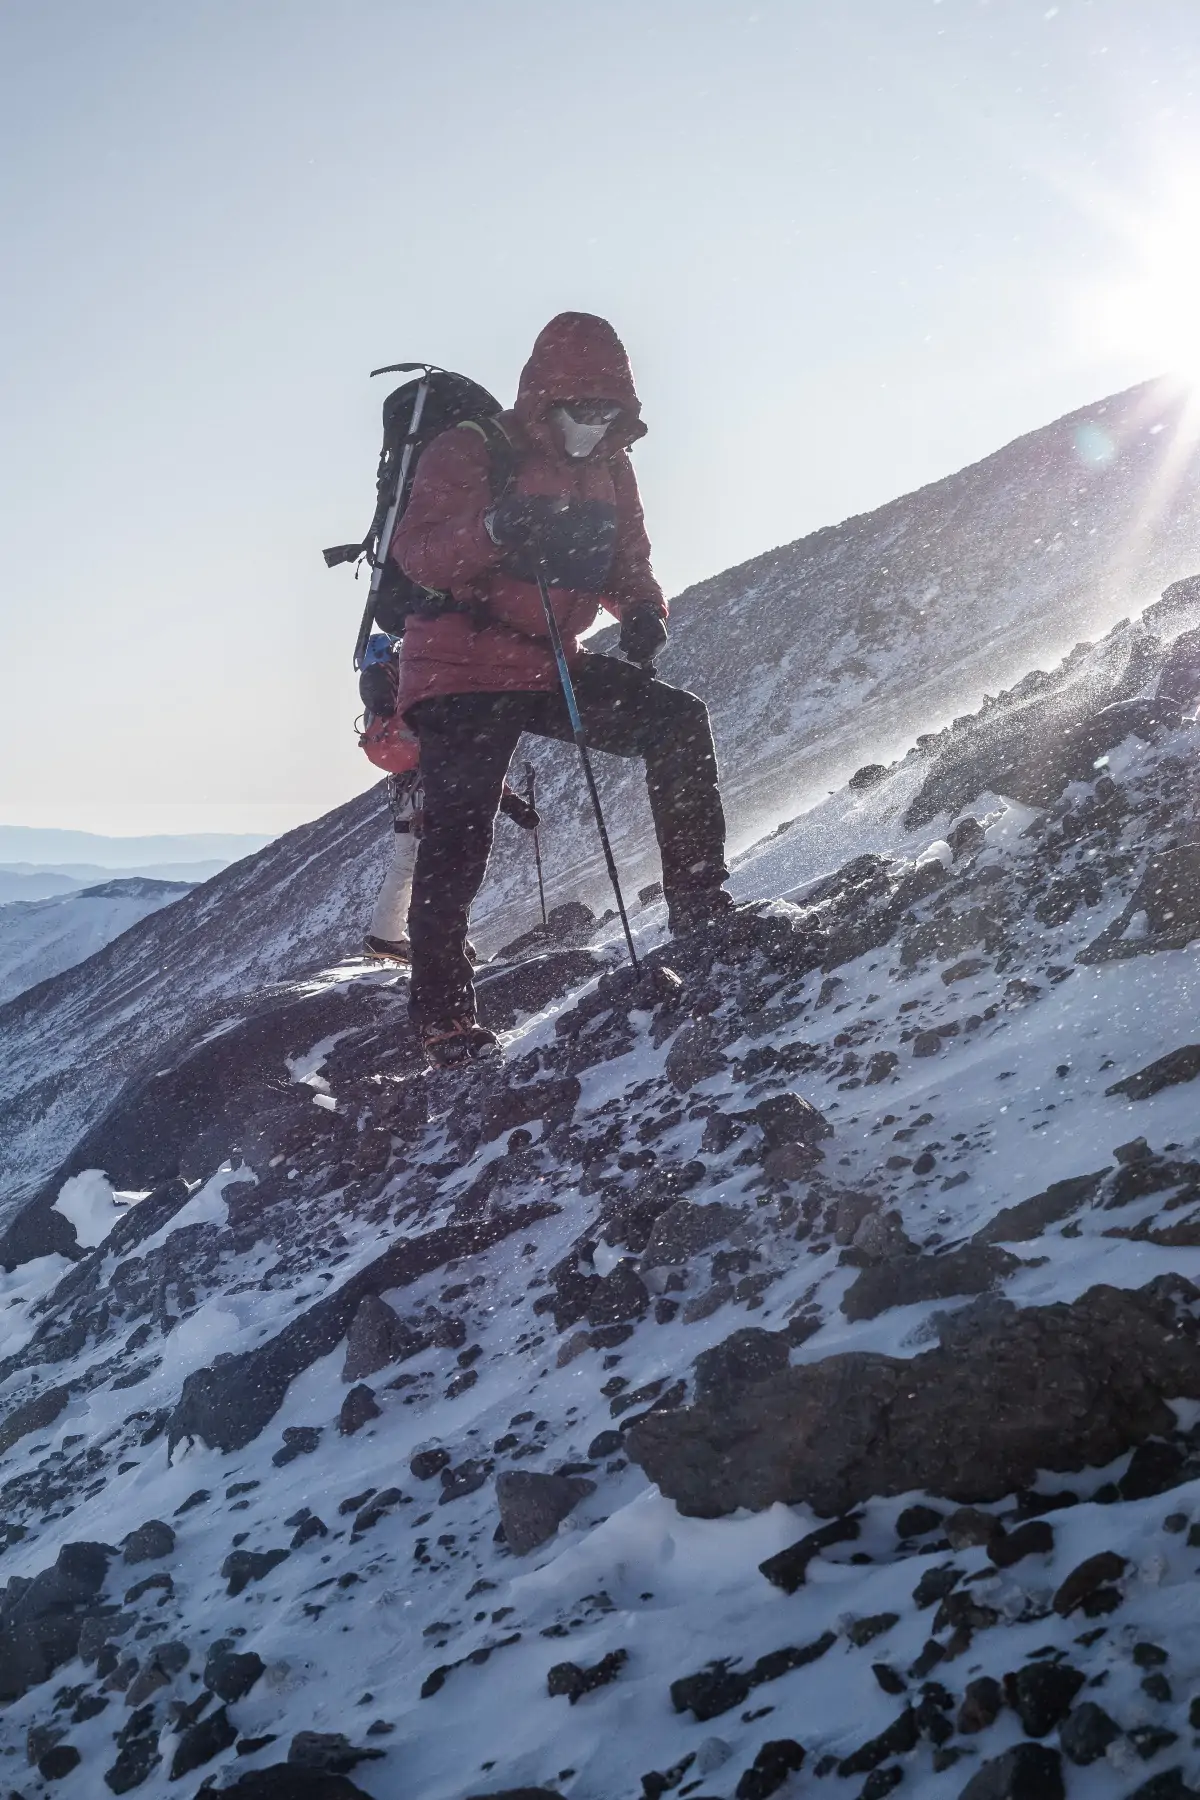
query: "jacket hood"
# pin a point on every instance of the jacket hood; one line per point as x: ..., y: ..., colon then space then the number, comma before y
x: 578, y: 356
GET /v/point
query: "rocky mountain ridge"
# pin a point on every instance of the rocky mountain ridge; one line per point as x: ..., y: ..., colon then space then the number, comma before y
x: 782, y: 1378
x: 814, y: 659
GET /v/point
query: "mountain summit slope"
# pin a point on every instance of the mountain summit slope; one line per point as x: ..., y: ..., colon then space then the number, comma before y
x: 784, y: 1371
x: 814, y: 658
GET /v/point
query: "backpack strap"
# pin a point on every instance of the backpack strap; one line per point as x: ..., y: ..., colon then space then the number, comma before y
x: 502, y: 453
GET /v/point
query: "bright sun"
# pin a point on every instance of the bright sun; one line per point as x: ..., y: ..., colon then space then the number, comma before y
x: 1152, y: 310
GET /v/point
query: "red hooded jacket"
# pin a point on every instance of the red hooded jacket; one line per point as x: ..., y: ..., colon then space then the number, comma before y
x: 441, y: 541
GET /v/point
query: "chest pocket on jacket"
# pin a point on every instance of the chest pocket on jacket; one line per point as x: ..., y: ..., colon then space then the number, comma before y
x: 578, y: 541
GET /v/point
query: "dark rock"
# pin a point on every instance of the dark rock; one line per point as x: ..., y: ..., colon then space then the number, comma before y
x: 1026, y: 1772
x: 467, y: 1478
x: 58, y: 1762
x: 685, y: 1229
x: 947, y: 938
x: 329, y: 1751
x: 1170, y: 1785
x: 1029, y: 1218
x: 241, y: 1567
x: 869, y: 776
x: 1155, y: 1467
x: 1034, y: 1538
x: 966, y: 1527
x: 377, y: 1337
x: 974, y: 1419
x: 1168, y: 1071
x: 696, y: 1054
x: 285, y: 1781
x: 865, y: 1631
x: 1086, y: 1733
x: 888, y: 1679
x: 619, y: 1296
x: 368, y: 1516
x: 881, y: 1781
x: 34, y: 1415
x: 746, y: 1356
x: 1149, y: 1656
x: 605, y: 1443
x: 788, y: 1569
x: 880, y: 1067
x: 909, y: 1280
x: 574, y: 1681
x: 936, y: 1583
x: 789, y: 1119
x: 777, y: 1759
x: 149, y: 1542
x: 202, y: 1741
x: 298, y: 1440
x: 1041, y: 1694
x: 918, y: 1521
x: 900, y: 1737
x: 229, y: 1403
x: 509, y: 1105
x: 965, y: 837
x: 532, y: 1505
x: 1148, y: 1740
x: 229, y: 1673
x: 358, y: 1409
x: 134, y: 1762
x: 927, y: 1043
x: 981, y: 1703
x: 306, y: 1530
x: 1086, y: 1578
x: 425, y: 1464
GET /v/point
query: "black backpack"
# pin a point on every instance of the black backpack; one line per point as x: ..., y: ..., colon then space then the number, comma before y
x: 450, y: 400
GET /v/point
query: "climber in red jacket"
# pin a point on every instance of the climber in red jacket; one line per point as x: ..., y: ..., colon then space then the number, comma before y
x: 480, y: 671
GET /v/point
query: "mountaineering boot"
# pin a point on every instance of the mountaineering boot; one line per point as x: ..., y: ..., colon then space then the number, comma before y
x: 692, y: 912
x: 454, y: 1043
x: 397, y: 950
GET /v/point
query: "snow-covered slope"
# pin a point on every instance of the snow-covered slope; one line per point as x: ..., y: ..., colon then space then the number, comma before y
x: 814, y: 658
x: 881, y: 1216
x: 40, y: 938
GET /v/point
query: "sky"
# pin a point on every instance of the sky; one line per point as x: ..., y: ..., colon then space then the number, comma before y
x: 850, y: 248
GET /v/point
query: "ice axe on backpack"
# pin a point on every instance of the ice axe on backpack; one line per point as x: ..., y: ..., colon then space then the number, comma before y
x: 568, y: 688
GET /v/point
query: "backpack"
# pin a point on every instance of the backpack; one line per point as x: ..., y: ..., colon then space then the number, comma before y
x: 449, y: 400
x: 385, y: 739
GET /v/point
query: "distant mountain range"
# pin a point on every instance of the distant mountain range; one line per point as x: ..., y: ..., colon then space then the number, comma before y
x: 30, y: 849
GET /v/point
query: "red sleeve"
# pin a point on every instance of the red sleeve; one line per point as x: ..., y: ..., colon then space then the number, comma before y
x: 441, y: 541
x: 631, y: 580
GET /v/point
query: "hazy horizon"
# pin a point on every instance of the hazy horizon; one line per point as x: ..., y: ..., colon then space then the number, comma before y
x: 850, y: 251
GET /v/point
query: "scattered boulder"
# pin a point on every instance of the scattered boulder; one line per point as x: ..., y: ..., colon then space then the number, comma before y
x: 288, y: 1781
x: 1168, y: 1071
x: 1041, y: 1694
x: 378, y: 1336
x: 358, y: 1409
x: 869, y: 776
x: 1086, y: 1733
x: 696, y: 1053
x: 982, y: 1701
x: 788, y: 1569
x: 423, y: 1465
x: 909, y: 1280
x: 241, y: 1567
x: 1087, y: 1579
x: 790, y: 1119
x: 298, y: 1440
x: 202, y: 1741
x: 149, y: 1542
x: 1030, y: 1218
x: 329, y: 1751
x: 230, y: 1673
x: 744, y: 1357
x: 685, y: 1230
x: 34, y: 1415
x: 776, y: 1761
x: 533, y: 1505
x: 619, y: 1296
x: 1009, y: 1391
x: 570, y: 1679
x: 58, y: 1762
x: 1026, y: 1772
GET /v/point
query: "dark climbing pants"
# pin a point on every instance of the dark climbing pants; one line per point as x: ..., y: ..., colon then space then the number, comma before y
x: 467, y: 742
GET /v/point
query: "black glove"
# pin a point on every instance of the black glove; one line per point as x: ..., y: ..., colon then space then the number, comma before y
x: 519, y: 811
x: 643, y: 634
x: 573, y: 540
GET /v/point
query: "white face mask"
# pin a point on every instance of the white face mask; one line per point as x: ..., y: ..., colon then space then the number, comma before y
x: 580, y: 438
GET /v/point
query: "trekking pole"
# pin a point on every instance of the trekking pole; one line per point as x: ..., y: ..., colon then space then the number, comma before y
x: 384, y: 541
x: 568, y: 688
x: 531, y: 796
